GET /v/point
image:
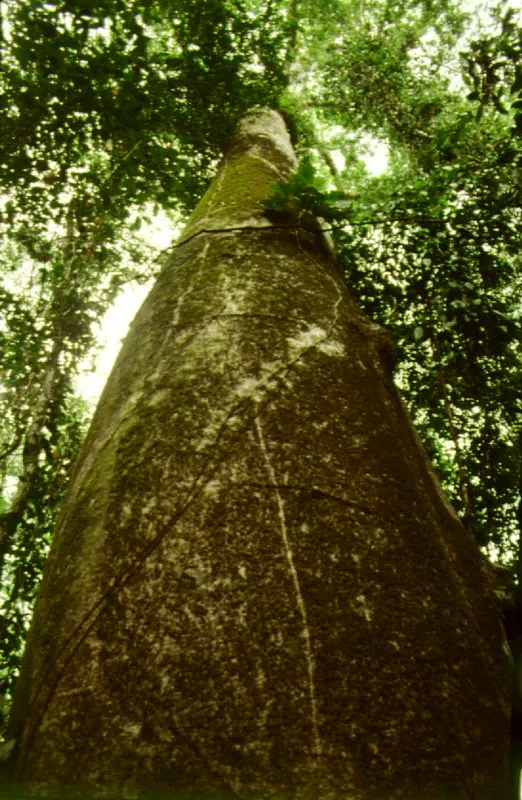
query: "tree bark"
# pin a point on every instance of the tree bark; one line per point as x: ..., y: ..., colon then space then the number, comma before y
x: 257, y: 588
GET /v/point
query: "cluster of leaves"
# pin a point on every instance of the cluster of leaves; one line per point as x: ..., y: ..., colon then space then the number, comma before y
x: 493, y: 69
x: 154, y: 88
x: 306, y: 190
x: 387, y: 69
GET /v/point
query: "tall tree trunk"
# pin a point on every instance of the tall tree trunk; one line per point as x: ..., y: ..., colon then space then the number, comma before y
x: 256, y: 586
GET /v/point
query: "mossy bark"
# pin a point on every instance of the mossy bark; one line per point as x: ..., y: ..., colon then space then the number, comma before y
x: 257, y: 588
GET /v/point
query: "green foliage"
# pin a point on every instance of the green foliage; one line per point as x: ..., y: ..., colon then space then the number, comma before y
x: 493, y: 68
x: 155, y: 89
x: 305, y: 191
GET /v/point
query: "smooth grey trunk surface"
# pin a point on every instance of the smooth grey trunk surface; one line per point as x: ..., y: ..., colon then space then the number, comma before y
x: 257, y: 588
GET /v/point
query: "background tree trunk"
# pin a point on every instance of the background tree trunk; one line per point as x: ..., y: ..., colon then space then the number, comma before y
x: 256, y: 586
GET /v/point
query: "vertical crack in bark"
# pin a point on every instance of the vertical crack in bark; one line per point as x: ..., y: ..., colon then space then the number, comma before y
x: 335, y: 312
x: 176, y: 314
x: 335, y: 284
x: 295, y: 578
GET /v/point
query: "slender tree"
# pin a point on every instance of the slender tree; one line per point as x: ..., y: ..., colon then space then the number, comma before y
x: 256, y: 587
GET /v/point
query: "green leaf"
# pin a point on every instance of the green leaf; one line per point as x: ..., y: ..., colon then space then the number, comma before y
x: 306, y: 171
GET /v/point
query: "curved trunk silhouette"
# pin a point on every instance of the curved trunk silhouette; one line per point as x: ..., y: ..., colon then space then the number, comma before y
x: 257, y: 588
